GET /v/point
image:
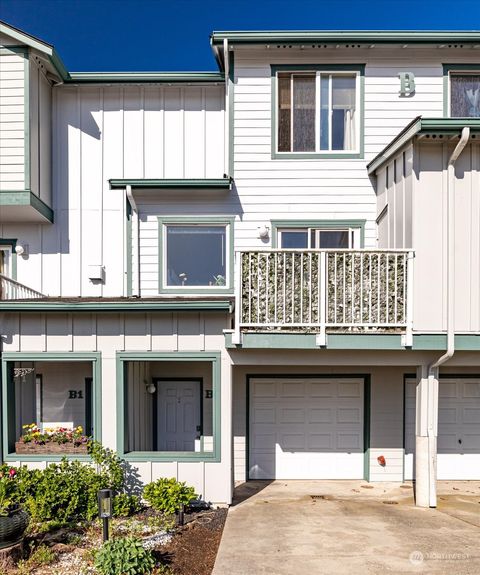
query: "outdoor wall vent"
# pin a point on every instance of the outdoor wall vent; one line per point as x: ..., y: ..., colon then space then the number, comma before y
x: 96, y: 273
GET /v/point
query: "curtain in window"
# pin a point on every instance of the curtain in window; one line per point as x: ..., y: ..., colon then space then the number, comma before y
x: 284, y: 113
x: 303, y: 113
x: 465, y: 96
x: 343, y: 112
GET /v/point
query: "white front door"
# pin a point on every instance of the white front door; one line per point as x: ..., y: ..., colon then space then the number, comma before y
x: 306, y: 428
x: 178, y: 414
x: 458, y: 443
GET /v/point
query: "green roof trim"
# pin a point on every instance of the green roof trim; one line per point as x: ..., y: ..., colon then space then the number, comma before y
x: 424, y: 126
x: 149, y: 77
x: 220, y: 183
x: 133, y: 305
x: 26, y: 198
x: 36, y: 44
x: 335, y: 36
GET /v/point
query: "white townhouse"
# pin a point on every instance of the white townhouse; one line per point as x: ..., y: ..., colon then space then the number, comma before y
x: 267, y: 272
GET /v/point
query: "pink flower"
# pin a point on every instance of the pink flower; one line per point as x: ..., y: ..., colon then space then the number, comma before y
x: 12, y: 472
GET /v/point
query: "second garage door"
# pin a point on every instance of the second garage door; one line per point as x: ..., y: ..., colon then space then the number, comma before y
x: 306, y: 428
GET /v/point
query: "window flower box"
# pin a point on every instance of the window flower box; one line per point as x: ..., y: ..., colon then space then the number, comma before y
x: 57, y: 440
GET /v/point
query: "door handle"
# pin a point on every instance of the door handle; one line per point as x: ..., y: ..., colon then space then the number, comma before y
x: 460, y: 441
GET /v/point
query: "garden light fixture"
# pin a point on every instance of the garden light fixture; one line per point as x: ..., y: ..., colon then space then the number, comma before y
x: 105, y: 509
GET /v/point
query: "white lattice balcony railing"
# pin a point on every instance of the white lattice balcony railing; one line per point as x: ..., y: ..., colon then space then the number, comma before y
x: 11, y: 289
x: 315, y: 290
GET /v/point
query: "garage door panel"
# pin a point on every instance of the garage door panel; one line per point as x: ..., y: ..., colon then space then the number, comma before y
x: 317, y: 431
x: 321, y: 415
x: 458, y: 442
x: 265, y: 389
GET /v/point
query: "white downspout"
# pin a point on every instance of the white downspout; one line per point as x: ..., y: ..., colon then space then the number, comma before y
x: 432, y: 417
x: 226, y: 166
x: 136, y: 235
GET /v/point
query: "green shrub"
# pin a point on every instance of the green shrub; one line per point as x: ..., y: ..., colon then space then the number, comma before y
x: 125, y: 505
x: 124, y: 556
x: 168, y: 495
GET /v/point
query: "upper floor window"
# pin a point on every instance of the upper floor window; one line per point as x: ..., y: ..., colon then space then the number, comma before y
x: 465, y: 94
x: 322, y: 235
x: 196, y: 254
x: 318, y: 112
x: 6, y: 261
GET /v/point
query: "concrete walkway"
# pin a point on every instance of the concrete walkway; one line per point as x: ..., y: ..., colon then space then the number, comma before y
x: 349, y: 527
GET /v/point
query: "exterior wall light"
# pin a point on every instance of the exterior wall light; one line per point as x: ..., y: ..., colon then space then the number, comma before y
x: 263, y: 232
x: 105, y: 509
x: 150, y: 387
x: 21, y: 250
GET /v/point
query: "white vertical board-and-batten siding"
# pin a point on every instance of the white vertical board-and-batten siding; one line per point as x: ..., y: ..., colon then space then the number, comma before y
x: 325, y: 189
x: 12, y: 121
x: 101, y: 133
x: 417, y: 216
x: 160, y: 332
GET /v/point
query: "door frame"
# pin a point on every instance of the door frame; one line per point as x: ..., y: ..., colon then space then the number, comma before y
x: 366, y: 410
x: 159, y: 380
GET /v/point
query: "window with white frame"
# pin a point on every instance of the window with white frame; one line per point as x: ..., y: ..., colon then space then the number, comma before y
x: 6, y: 261
x: 318, y: 111
x: 465, y: 94
x: 196, y: 255
x: 319, y: 238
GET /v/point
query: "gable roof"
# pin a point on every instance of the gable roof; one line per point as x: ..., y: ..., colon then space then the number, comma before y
x: 36, y: 44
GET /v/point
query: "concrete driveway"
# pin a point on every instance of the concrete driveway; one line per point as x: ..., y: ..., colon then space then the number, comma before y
x: 349, y: 527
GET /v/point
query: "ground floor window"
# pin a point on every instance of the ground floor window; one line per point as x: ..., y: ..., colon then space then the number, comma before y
x: 44, y: 399
x: 170, y: 408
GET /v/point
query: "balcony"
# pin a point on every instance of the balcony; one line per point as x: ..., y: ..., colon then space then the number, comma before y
x: 315, y: 291
x: 13, y: 290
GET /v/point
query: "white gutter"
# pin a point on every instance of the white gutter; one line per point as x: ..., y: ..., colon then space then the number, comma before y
x: 432, y: 417
x: 136, y: 235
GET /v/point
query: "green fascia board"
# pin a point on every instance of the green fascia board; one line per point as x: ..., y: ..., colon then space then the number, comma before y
x: 335, y: 36
x: 381, y: 341
x: 192, y: 183
x: 155, y: 77
x: 432, y: 126
x: 36, y: 44
x: 26, y: 198
x: 42, y: 306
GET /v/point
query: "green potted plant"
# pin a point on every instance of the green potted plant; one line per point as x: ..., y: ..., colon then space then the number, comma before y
x: 55, y: 440
x: 13, y: 519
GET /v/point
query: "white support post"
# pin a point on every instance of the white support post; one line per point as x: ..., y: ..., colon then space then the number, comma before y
x: 408, y: 338
x: 426, y: 432
x: 321, y: 339
x: 237, y: 334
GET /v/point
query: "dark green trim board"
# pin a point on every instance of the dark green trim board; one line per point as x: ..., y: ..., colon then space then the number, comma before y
x: 129, y: 305
x: 26, y: 198
x: 199, y: 183
x: 214, y: 358
x: 442, y: 128
x: 12, y: 244
x: 231, y: 113
x: 8, y: 398
x: 322, y: 224
x: 196, y: 220
x: 359, y: 69
x: 447, y: 68
x: 366, y: 341
x: 336, y: 36
x: 149, y: 77
x: 366, y: 409
x: 13, y: 50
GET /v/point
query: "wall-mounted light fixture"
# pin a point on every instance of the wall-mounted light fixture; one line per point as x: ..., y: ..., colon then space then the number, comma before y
x: 263, y: 232
x: 150, y: 387
x: 21, y: 250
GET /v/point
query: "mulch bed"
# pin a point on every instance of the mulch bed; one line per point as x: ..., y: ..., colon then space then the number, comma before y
x: 194, y: 548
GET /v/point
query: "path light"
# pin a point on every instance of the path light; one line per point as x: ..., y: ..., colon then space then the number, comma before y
x: 105, y: 509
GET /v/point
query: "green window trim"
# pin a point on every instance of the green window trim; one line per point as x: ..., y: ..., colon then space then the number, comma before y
x: 334, y: 155
x: 8, y: 406
x: 325, y: 224
x: 447, y: 68
x: 199, y: 220
x: 212, y: 357
x: 11, y: 243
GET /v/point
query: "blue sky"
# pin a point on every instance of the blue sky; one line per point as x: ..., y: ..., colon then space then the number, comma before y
x: 156, y: 35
